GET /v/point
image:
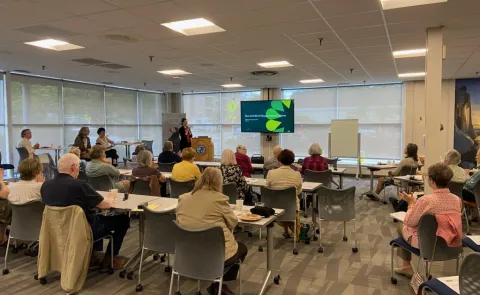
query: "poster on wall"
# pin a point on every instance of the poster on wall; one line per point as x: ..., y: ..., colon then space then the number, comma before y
x: 467, y: 120
x: 171, y: 122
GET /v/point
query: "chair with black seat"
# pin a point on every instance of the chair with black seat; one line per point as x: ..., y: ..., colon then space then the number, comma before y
x: 148, y: 144
x: 23, y: 153
x: 141, y: 187
x: 300, y: 161
x: 206, y: 267
x: 283, y: 199
x: 332, y: 162
x: 431, y: 247
x: 82, y: 175
x: 230, y: 190
x: 100, y: 183
x: 178, y: 188
x: 456, y: 188
x: 25, y: 226
x: 158, y: 226
x: 337, y: 205
x: 165, y: 167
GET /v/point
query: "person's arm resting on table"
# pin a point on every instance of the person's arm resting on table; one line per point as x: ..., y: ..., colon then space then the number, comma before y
x: 94, y: 199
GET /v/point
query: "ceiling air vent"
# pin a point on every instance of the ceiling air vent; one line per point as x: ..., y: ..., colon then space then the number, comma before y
x: 121, y: 38
x: 264, y: 73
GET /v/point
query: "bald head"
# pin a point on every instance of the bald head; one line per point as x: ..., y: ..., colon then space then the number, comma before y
x: 277, y: 150
x: 69, y: 164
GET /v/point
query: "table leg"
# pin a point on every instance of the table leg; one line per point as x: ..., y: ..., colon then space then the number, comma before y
x: 341, y: 181
x: 127, y: 154
x: 269, y: 257
x: 56, y: 157
x: 371, y: 180
x: 371, y: 194
x: 134, y: 259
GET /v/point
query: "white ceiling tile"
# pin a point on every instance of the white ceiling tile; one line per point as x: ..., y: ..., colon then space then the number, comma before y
x: 79, y: 25
x: 358, y: 20
x: 110, y: 18
x: 362, y: 33
x: 131, y: 3
x: 164, y: 12
x: 331, y: 8
x: 74, y: 7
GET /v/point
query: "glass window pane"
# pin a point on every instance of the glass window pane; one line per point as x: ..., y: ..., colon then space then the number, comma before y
x: 313, y: 106
x: 121, y: 106
x: 304, y: 136
x: 231, y: 105
x: 153, y: 133
x: 381, y: 141
x: 212, y: 131
x: 233, y: 136
x: 379, y: 104
x: 83, y: 104
x: 203, y: 108
x: 151, y: 106
x: 122, y: 133
x: 36, y: 100
x: 71, y: 132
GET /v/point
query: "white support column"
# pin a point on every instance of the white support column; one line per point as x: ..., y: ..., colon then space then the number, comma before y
x: 267, y: 146
x: 9, y: 131
x: 434, y: 122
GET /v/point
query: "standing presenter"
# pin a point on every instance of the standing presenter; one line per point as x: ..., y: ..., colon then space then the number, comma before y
x: 185, y: 135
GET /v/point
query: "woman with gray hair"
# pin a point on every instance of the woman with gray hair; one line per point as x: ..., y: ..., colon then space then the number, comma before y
x: 315, y: 162
x: 168, y: 155
x: 452, y: 158
x: 146, y: 167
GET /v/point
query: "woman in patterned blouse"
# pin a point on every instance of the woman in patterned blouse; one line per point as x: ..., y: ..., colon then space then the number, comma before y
x: 232, y: 173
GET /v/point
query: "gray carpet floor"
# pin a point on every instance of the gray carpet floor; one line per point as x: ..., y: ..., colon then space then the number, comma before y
x: 337, y: 271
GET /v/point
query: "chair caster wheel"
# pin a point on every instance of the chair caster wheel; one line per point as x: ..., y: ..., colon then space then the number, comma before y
x: 250, y: 234
x: 393, y: 280
x: 178, y: 293
x: 305, y: 215
x: 295, y: 252
x: 198, y: 293
x: 168, y: 269
x: 395, y: 221
x: 307, y: 242
x: 14, y: 250
x: 139, y: 288
x: 162, y: 258
x: 384, y: 202
x: 155, y: 258
x: 5, y: 271
x: 317, y: 231
x: 276, y: 280
x: 260, y: 249
x: 122, y: 274
x: 354, y: 250
x: 130, y: 275
x: 315, y: 238
x: 43, y: 281
x: 345, y: 239
x: 320, y: 250
x: 469, y: 234
x: 35, y: 277
x: 110, y: 271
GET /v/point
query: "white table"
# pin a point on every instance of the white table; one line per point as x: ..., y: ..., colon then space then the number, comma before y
x: 418, y: 179
x: 55, y: 149
x: 128, y: 172
x: 127, y: 147
x: 340, y: 172
x: 307, y: 187
x: 371, y: 193
x: 217, y: 164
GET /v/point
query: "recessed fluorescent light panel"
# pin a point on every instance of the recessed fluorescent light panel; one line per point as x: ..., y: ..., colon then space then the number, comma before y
x: 410, y: 53
x: 232, y: 85
x: 174, y: 72
x: 191, y: 27
x: 412, y: 75
x: 311, y: 81
x: 275, y: 64
x: 393, y: 4
x: 53, y: 44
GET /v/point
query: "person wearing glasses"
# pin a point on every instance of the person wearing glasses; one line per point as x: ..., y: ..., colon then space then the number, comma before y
x: 243, y: 160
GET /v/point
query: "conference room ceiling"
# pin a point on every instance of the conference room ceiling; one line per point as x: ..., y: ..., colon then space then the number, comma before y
x: 356, y: 34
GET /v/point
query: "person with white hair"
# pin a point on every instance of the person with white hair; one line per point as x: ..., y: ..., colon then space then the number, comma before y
x: 272, y: 162
x: 452, y: 158
x: 206, y: 206
x: 66, y: 190
x: 243, y: 160
x: 315, y: 162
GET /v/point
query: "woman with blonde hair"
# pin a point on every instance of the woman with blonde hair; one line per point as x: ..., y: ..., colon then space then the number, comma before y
x: 206, y: 206
x: 186, y: 170
x: 232, y: 173
x: 82, y: 141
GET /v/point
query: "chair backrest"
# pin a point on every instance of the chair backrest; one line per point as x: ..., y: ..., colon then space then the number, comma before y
x: 477, y: 192
x: 148, y: 145
x: 189, y: 243
x: 456, y: 188
x: 265, y: 172
x: 336, y: 204
x: 300, y: 161
x: 165, y: 167
x: 100, y: 183
x: 178, y: 188
x: 332, y: 161
x: 427, y: 234
x: 23, y: 153
x: 324, y: 177
x: 408, y: 170
x: 159, y: 230
x: 141, y: 187
x: 82, y: 175
x: 469, y: 277
x: 281, y: 199
x: 27, y: 221
x: 230, y: 190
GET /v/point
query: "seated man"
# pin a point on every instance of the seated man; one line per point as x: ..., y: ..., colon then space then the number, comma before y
x: 24, y: 142
x: 273, y: 162
x: 168, y: 155
x: 65, y: 190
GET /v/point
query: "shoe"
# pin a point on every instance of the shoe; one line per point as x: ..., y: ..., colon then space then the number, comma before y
x: 118, y: 262
x: 406, y: 272
x: 226, y: 290
x: 286, y: 236
x: 394, y: 202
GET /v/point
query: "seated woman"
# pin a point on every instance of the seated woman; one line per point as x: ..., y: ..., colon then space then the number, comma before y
x: 440, y: 202
x: 5, y: 210
x: 232, y: 173
x: 76, y: 151
x: 104, y: 141
x: 146, y: 167
x: 243, y: 160
x: 82, y: 141
x: 186, y: 170
x: 452, y: 158
x: 285, y: 177
x: 99, y: 166
x: 315, y: 162
x: 31, y: 180
x: 168, y: 155
x: 138, y: 149
x: 206, y: 206
x: 411, y: 159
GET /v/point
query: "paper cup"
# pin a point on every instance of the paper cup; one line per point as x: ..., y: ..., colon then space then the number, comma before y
x: 239, y: 205
x: 114, y: 193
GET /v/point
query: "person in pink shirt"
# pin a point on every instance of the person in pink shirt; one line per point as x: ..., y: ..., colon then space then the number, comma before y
x: 244, y: 161
x: 446, y: 207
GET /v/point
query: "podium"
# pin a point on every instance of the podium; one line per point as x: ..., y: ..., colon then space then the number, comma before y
x: 203, y: 147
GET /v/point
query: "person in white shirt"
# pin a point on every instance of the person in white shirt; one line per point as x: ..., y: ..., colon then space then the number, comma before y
x: 452, y: 158
x: 31, y: 179
x: 108, y: 144
x: 26, y: 135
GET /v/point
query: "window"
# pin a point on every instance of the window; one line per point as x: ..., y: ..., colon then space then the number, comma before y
x: 378, y: 108
x: 151, y: 106
x: 217, y: 115
x: 3, y: 137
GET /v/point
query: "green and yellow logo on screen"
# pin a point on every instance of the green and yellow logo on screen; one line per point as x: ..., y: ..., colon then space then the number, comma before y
x: 275, y: 113
x: 268, y: 116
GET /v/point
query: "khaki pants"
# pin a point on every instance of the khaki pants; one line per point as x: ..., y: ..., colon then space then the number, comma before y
x: 290, y: 225
x: 402, y: 253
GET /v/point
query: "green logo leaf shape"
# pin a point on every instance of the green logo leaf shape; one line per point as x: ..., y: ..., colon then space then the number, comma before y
x: 277, y: 108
